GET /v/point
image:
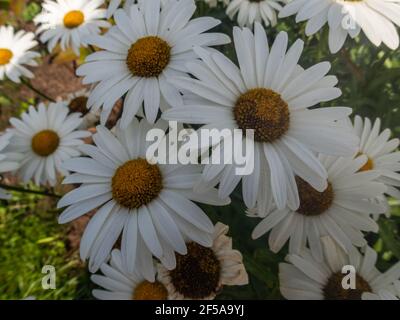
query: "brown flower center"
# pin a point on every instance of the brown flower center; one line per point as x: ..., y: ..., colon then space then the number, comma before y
x: 148, y: 57
x: 45, y: 142
x: 5, y: 56
x: 264, y: 111
x: 136, y: 183
x: 197, y: 273
x: 78, y: 104
x: 73, y: 19
x: 150, y: 291
x: 313, y: 202
x: 334, y: 290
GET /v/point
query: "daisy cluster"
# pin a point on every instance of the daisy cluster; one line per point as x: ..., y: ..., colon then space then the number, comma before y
x: 320, y: 180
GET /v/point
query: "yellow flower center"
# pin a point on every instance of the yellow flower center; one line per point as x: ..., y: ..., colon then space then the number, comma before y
x: 74, y: 19
x: 313, y: 202
x: 333, y: 289
x: 136, y: 183
x: 148, y: 57
x: 78, y: 104
x: 264, y: 111
x: 197, y: 273
x: 5, y: 56
x: 150, y: 291
x: 369, y: 165
x: 45, y: 142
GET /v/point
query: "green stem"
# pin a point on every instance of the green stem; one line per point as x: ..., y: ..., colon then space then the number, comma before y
x: 29, y: 85
x: 23, y: 190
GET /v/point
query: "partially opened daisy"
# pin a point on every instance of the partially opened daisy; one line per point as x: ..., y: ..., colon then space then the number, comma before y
x: 149, y: 204
x: 77, y: 102
x: 119, y: 284
x: 15, y: 53
x: 46, y: 136
x: 8, y: 161
x: 68, y: 22
x: 149, y: 44
x: 341, y: 211
x: 250, y: 11
x: 271, y: 95
x: 202, y: 272
x: 304, y: 278
x: 381, y: 151
x: 377, y: 19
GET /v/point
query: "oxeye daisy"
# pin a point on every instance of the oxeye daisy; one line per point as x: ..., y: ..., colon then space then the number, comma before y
x: 341, y: 211
x: 46, y: 136
x: 150, y: 204
x: 119, y: 284
x: 68, y: 22
x: 149, y: 44
x: 381, y: 152
x: 377, y: 19
x: 250, y: 11
x: 271, y: 95
x: 77, y: 102
x: 15, y: 53
x: 8, y: 161
x: 202, y: 272
x: 305, y: 278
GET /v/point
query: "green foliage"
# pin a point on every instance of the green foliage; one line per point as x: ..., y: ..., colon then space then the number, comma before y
x: 29, y: 239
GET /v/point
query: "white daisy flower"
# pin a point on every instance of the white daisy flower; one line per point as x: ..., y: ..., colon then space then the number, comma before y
x: 202, y: 272
x: 305, y: 278
x: 381, y: 152
x: 148, y: 45
x: 15, y: 53
x: 77, y: 102
x: 348, y: 17
x: 119, y: 284
x: 46, y: 136
x: 270, y: 94
x: 8, y: 161
x: 341, y: 211
x: 214, y: 3
x: 250, y: 11
x: 69, y: 22
x: 150, y: 204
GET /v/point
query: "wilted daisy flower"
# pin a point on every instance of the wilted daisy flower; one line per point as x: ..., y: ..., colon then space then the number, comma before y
x: 250, y: 11
x: 149, y: 44
x: 119, y: 284
x: 381, y: 152
x: 46, y: 136
x: 305, y: 278
x: 77, y: 102
x: 15, y: 52
x: 150, y: 204
x: 8, y: 161
x: 341, y: 211
x: 68, y: 22
x: 270, y: 94
x: 349, y: 17
x: 202, y: 272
